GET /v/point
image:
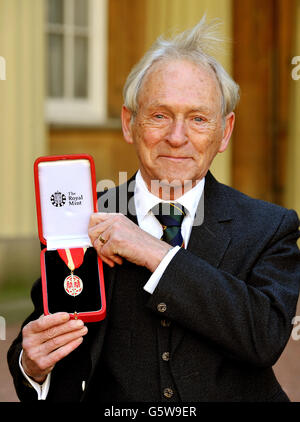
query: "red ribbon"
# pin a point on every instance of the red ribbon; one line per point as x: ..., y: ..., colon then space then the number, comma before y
x: 73, y: 258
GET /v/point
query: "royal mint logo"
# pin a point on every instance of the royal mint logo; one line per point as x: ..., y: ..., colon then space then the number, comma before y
x: 75, y: 198
x: 58, y: 199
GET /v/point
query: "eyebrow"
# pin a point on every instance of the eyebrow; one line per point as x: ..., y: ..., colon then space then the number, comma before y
x: 197, y: 109
x: 200, y: 109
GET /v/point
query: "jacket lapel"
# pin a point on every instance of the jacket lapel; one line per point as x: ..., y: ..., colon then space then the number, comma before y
x: 211, y: 239
x: 121, y: 200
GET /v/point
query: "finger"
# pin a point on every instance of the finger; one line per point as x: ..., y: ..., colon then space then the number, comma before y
x: 45, y: 322
x: 99, y: 217
x: 111, y: 259
x: 100, y: 222
x: 58, y: 330
x: 56, y: 342
x: 106, y: 250
x: 98, y: 229
x: 107, y: 261
x: 47, y: 362
x: 93, y: 220
x: 63, y: 351
x: 106, y: 253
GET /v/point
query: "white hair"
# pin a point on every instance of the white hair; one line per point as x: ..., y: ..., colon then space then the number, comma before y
x: 195, y: 45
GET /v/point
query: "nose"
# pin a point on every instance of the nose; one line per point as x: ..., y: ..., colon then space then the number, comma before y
x: 177, y: 133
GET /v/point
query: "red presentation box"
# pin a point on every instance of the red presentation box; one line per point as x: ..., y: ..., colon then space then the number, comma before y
x: 72, y: 272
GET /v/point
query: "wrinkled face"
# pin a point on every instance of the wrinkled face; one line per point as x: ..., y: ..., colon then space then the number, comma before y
x: 178, y: 128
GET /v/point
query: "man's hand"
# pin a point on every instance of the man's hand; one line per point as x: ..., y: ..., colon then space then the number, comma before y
x: 47, y: 340
x: 124, y: 239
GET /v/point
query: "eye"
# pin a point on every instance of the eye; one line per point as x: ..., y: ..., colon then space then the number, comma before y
x: 198, y: 119
x: 159, y: 116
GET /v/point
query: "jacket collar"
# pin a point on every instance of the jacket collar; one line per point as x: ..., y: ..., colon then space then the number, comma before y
x: 209, y: 240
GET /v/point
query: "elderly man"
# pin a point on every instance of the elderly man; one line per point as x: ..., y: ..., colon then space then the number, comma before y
x: 198, y: 309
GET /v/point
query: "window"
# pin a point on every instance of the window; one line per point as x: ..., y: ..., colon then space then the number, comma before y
x: 76, y: 61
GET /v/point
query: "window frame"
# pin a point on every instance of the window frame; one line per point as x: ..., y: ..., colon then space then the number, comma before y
x: 92, y: 110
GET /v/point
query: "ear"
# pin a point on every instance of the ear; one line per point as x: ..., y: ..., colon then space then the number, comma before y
x: 126, y: 115
x: 229, y: 124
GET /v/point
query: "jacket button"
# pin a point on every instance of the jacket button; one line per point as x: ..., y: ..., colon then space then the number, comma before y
x: 165, y: 356
x: 168, y: 393
x: 162, y: 307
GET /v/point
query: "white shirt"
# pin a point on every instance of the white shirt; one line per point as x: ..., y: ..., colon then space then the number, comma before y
x: 144, y: 201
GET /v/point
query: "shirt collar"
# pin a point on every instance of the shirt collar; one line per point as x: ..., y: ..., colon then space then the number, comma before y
x: 145, y: 200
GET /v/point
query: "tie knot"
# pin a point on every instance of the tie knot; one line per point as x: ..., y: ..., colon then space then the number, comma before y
x: 169, y: 214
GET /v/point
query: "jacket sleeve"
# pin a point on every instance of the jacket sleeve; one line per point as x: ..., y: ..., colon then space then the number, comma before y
x: 24, y: 389
x: 248, y: 317
x: 68, y: 374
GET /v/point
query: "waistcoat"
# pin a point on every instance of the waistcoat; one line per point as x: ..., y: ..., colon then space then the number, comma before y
x: 135, y: 361
x: 134, y: 364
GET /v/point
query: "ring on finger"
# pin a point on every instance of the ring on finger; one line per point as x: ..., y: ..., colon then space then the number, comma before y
x: 102, y: 240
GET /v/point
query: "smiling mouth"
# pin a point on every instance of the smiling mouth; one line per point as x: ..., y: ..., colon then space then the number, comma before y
x: 175, y: 159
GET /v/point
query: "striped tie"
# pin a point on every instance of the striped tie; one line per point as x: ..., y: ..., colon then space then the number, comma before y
x: 170, y: 216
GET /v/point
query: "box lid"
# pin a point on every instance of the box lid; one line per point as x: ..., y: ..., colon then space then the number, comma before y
x: 65, y: 199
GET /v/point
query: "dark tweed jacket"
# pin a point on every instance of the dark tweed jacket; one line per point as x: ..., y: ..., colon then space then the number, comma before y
x: 231, y: 297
